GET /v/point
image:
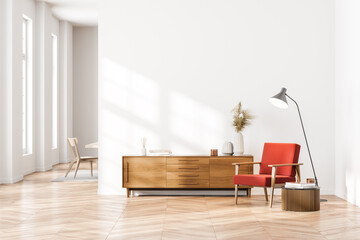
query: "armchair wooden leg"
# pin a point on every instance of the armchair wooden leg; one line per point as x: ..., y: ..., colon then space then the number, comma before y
x: 272, y: 197
x: 236, y: 193
x: 273, y: 177
x: 266, y: 195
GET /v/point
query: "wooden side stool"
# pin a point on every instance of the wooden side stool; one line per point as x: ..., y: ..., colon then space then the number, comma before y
x: 301, y: 200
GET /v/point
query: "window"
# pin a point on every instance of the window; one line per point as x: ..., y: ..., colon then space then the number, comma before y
x: 27, y: 102
x: 54, y: 91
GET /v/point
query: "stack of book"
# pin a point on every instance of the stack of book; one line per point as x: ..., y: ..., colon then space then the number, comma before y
x: 160, y: 152
x: 299, y: 185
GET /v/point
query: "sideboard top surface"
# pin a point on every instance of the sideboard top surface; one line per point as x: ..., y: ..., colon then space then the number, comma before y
x: 197, y: 156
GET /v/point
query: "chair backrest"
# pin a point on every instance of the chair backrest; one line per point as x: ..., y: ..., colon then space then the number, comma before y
x: 74, y: 150
x: 279, y: 153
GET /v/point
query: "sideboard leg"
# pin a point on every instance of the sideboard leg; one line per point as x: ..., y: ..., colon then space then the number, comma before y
x: 128, y: 192
x: 249, y: 192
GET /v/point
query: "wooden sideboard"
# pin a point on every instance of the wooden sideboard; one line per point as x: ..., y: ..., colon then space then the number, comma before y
x: 182, y: 172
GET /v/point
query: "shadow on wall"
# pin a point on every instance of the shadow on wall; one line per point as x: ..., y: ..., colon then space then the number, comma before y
x: 135, y: 106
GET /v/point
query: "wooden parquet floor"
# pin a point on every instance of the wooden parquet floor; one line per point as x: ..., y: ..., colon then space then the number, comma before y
x: 37, y: 208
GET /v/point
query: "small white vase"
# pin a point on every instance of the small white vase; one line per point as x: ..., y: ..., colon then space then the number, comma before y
x: 227, y: 148
x: 238, y: 144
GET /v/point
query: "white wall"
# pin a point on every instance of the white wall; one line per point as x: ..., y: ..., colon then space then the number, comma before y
x: 85, y: 92
x: 172, y: 71
x: 347, y: 85
x: 13, y: 164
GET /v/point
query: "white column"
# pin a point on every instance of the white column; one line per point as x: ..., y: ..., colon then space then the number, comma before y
x: 347, y: 105
x: 2, y: 86
x: 43, y: 89
x: 11, y: 92
x: 66, y: 89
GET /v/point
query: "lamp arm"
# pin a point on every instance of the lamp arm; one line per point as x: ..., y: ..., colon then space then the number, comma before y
x: 307, y: 144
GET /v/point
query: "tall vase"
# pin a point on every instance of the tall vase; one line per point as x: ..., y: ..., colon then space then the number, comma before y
x: 238, y: 144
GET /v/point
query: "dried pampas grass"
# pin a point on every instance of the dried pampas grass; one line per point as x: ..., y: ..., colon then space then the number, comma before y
x: 242, y: 118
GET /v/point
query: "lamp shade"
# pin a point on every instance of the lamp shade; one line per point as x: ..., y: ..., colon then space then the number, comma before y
x: 279, y: 100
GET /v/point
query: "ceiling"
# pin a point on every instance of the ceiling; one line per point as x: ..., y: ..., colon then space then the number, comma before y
x: 78, y: 12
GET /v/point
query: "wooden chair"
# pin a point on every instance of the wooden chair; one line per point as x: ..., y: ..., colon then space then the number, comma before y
x: 279, y: 164
x: 76, y: 158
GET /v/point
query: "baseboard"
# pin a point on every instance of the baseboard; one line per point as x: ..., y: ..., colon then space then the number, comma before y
x: 65, y: 161
x: 341, y: 195
x: 11, y: 180
x: 326, y: 191
x: 44, y: 169
x: 55, y: 163
x: 29, y: 171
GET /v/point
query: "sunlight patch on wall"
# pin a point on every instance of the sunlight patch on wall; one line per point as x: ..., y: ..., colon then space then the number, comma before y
x: 131, y: 107
x: 131, y: 92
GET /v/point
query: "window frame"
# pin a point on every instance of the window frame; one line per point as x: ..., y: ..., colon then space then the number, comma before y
x: 27, y: 85
x: 55, y: 90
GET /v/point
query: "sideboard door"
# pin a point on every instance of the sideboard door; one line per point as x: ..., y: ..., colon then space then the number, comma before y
x: 140, y: 172
x: 222, y: 171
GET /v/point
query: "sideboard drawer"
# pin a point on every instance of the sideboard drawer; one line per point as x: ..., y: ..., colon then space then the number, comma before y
x: 187, y: 183
x: 188, y: 175
x: 188, y: 168
x: 186, y: 160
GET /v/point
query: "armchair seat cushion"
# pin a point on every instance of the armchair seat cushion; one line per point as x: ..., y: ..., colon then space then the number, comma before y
x: 260, y: 180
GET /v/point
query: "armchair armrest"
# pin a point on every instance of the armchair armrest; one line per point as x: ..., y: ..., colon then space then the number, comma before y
x: 274, y: 166
x: 287, y: 164
x: 243, y: 163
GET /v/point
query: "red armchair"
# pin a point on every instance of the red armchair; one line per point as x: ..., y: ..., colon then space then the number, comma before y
x: 279, y: 164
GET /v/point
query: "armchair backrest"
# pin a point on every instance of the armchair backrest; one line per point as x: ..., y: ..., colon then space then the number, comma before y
x: 279, y: 153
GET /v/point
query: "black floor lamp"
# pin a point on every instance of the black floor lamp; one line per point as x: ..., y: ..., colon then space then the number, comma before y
x: 279, y: 100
